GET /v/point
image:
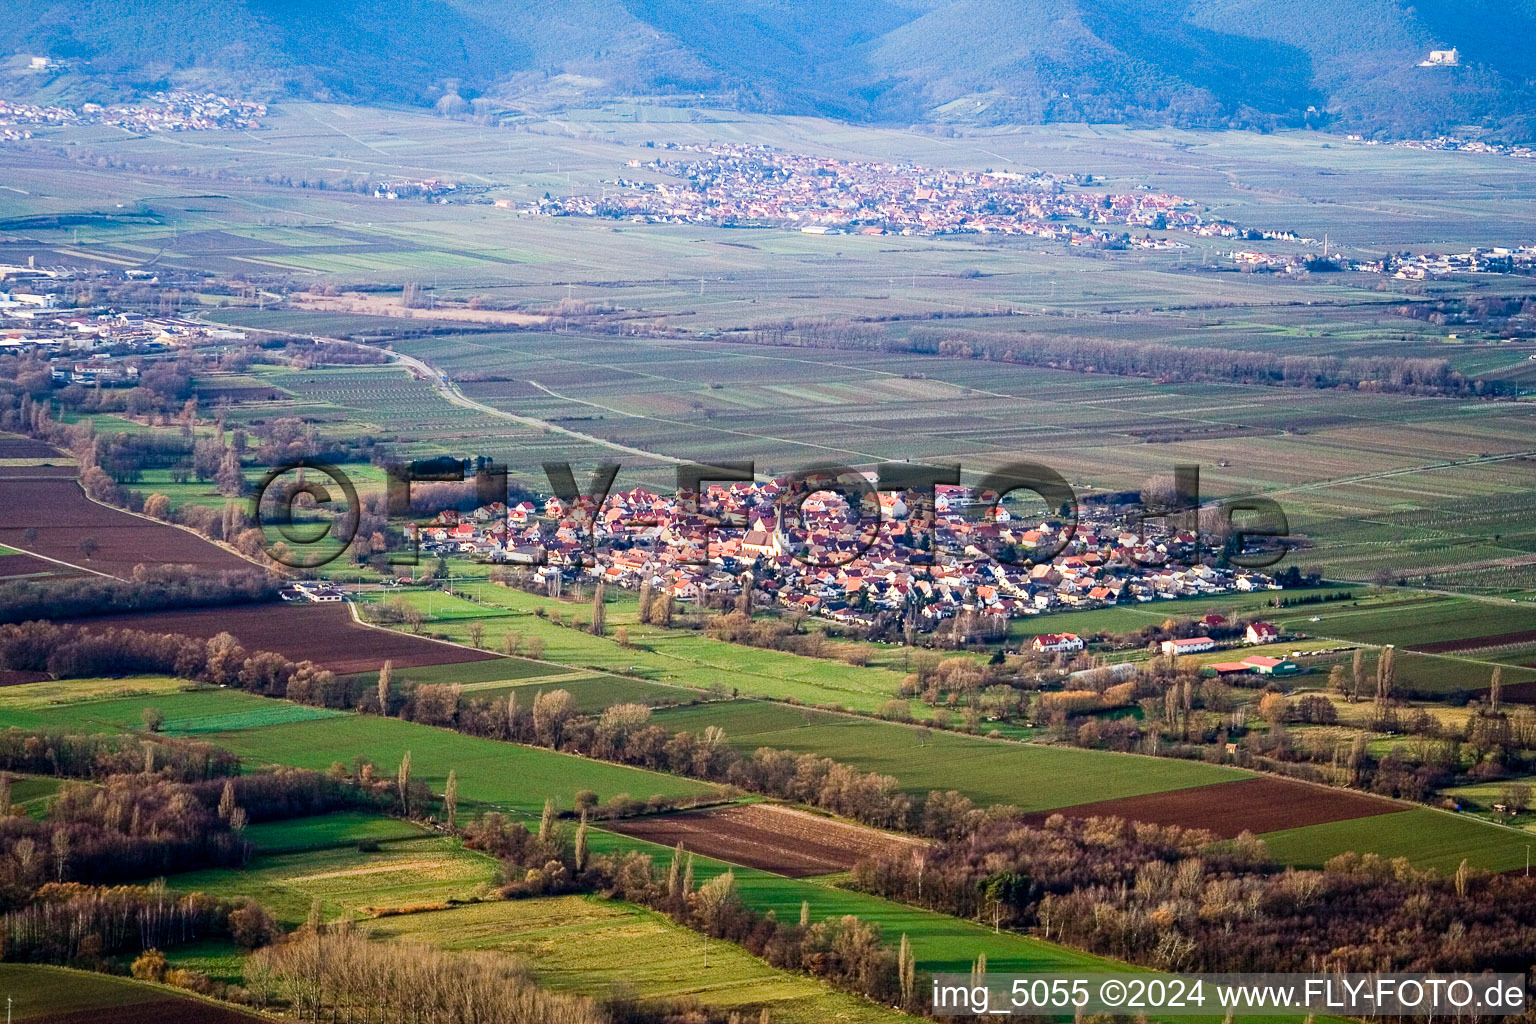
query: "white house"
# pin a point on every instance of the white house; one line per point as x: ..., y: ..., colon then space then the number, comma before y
x: 1190, y: 645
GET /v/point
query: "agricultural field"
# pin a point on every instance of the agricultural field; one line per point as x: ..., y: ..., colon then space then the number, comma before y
x: 15, y: 566
x: 55, y: 692
x: 940, y: 942
x: 500, y: 775
x: 1430, y: 488
x: 497, y: 775
x: 58, y: 995
x: 1299, y: 817
x: 401, y: 873
x: 324, y: 831
x: 1426, y: 837
x: 52, y: 503
x: 1257, y: 805
x: 322, y: 633
x: 1466, y: 468
x: 676, y: 657
x: 587, y: 944
x: 988, y: 771
x: 592, y: 691
x: 1421, y: 622
x: 33, y: 793
x: 759, y: 835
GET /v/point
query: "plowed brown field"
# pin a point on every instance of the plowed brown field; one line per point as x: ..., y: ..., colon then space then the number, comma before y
x: 322, y: 633
x: 1229, y: 808
x: 50, y: 500
x: 58, y: 509
x: 777, y: 839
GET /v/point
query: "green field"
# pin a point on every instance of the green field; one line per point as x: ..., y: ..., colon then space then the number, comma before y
x: 1127, y: 618
x: 1481, y: 796
x: 1406, y: 618
x: 589, y: 945
x: 493, y: 670
x: 679, y: 657
x: 39, y: 991
x: 400, y: 873
x: 499, y: 677
x: 504, y: 775
x: 249, y: 718
x: 342, y: 828
x: 1429, y: 838
x: 34, y: 793
x: 1034, y: 778
x: 106, y: 711
x: 592, y: 692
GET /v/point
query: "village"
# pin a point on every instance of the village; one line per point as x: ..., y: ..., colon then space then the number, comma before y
x: 739, y: 184
x: 970, y: 563
x: 172, y: 111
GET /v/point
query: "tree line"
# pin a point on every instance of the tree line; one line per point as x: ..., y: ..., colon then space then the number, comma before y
x: 1156, y: 360
x: 70, y: 923
x: 70, y: 651
x: 152, y: 588
x: 144, y: 823
x: 100, y: 755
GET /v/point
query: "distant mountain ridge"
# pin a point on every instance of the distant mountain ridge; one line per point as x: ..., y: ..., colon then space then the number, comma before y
x: 1351, y: 64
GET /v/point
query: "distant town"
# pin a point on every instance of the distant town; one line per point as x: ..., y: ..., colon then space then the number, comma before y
x: 173, y: 111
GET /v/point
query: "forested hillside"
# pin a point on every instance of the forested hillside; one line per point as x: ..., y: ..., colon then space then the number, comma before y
x: 1351, y: 64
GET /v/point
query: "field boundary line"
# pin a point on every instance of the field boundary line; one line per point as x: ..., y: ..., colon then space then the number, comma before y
x: 58, y: 561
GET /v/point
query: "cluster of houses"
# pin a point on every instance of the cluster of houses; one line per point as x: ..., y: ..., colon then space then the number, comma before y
x: 1457, y: 144
x: 1405, y: 267
x: 312, y: 591
x: 969, y: 565
x: 1257, y: 633
x: 757, y: 184
x: 413, y: 188
x: 1481, y: 260
x: 176, y: 110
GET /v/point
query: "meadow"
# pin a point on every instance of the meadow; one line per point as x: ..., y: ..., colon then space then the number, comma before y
x: 404, y: 872
x: 586, y: 943
x: 325, y: 831
x: 675, y: 657
x: 497, y: 775
x: 1426, y: 837
x: 1034, y: 778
